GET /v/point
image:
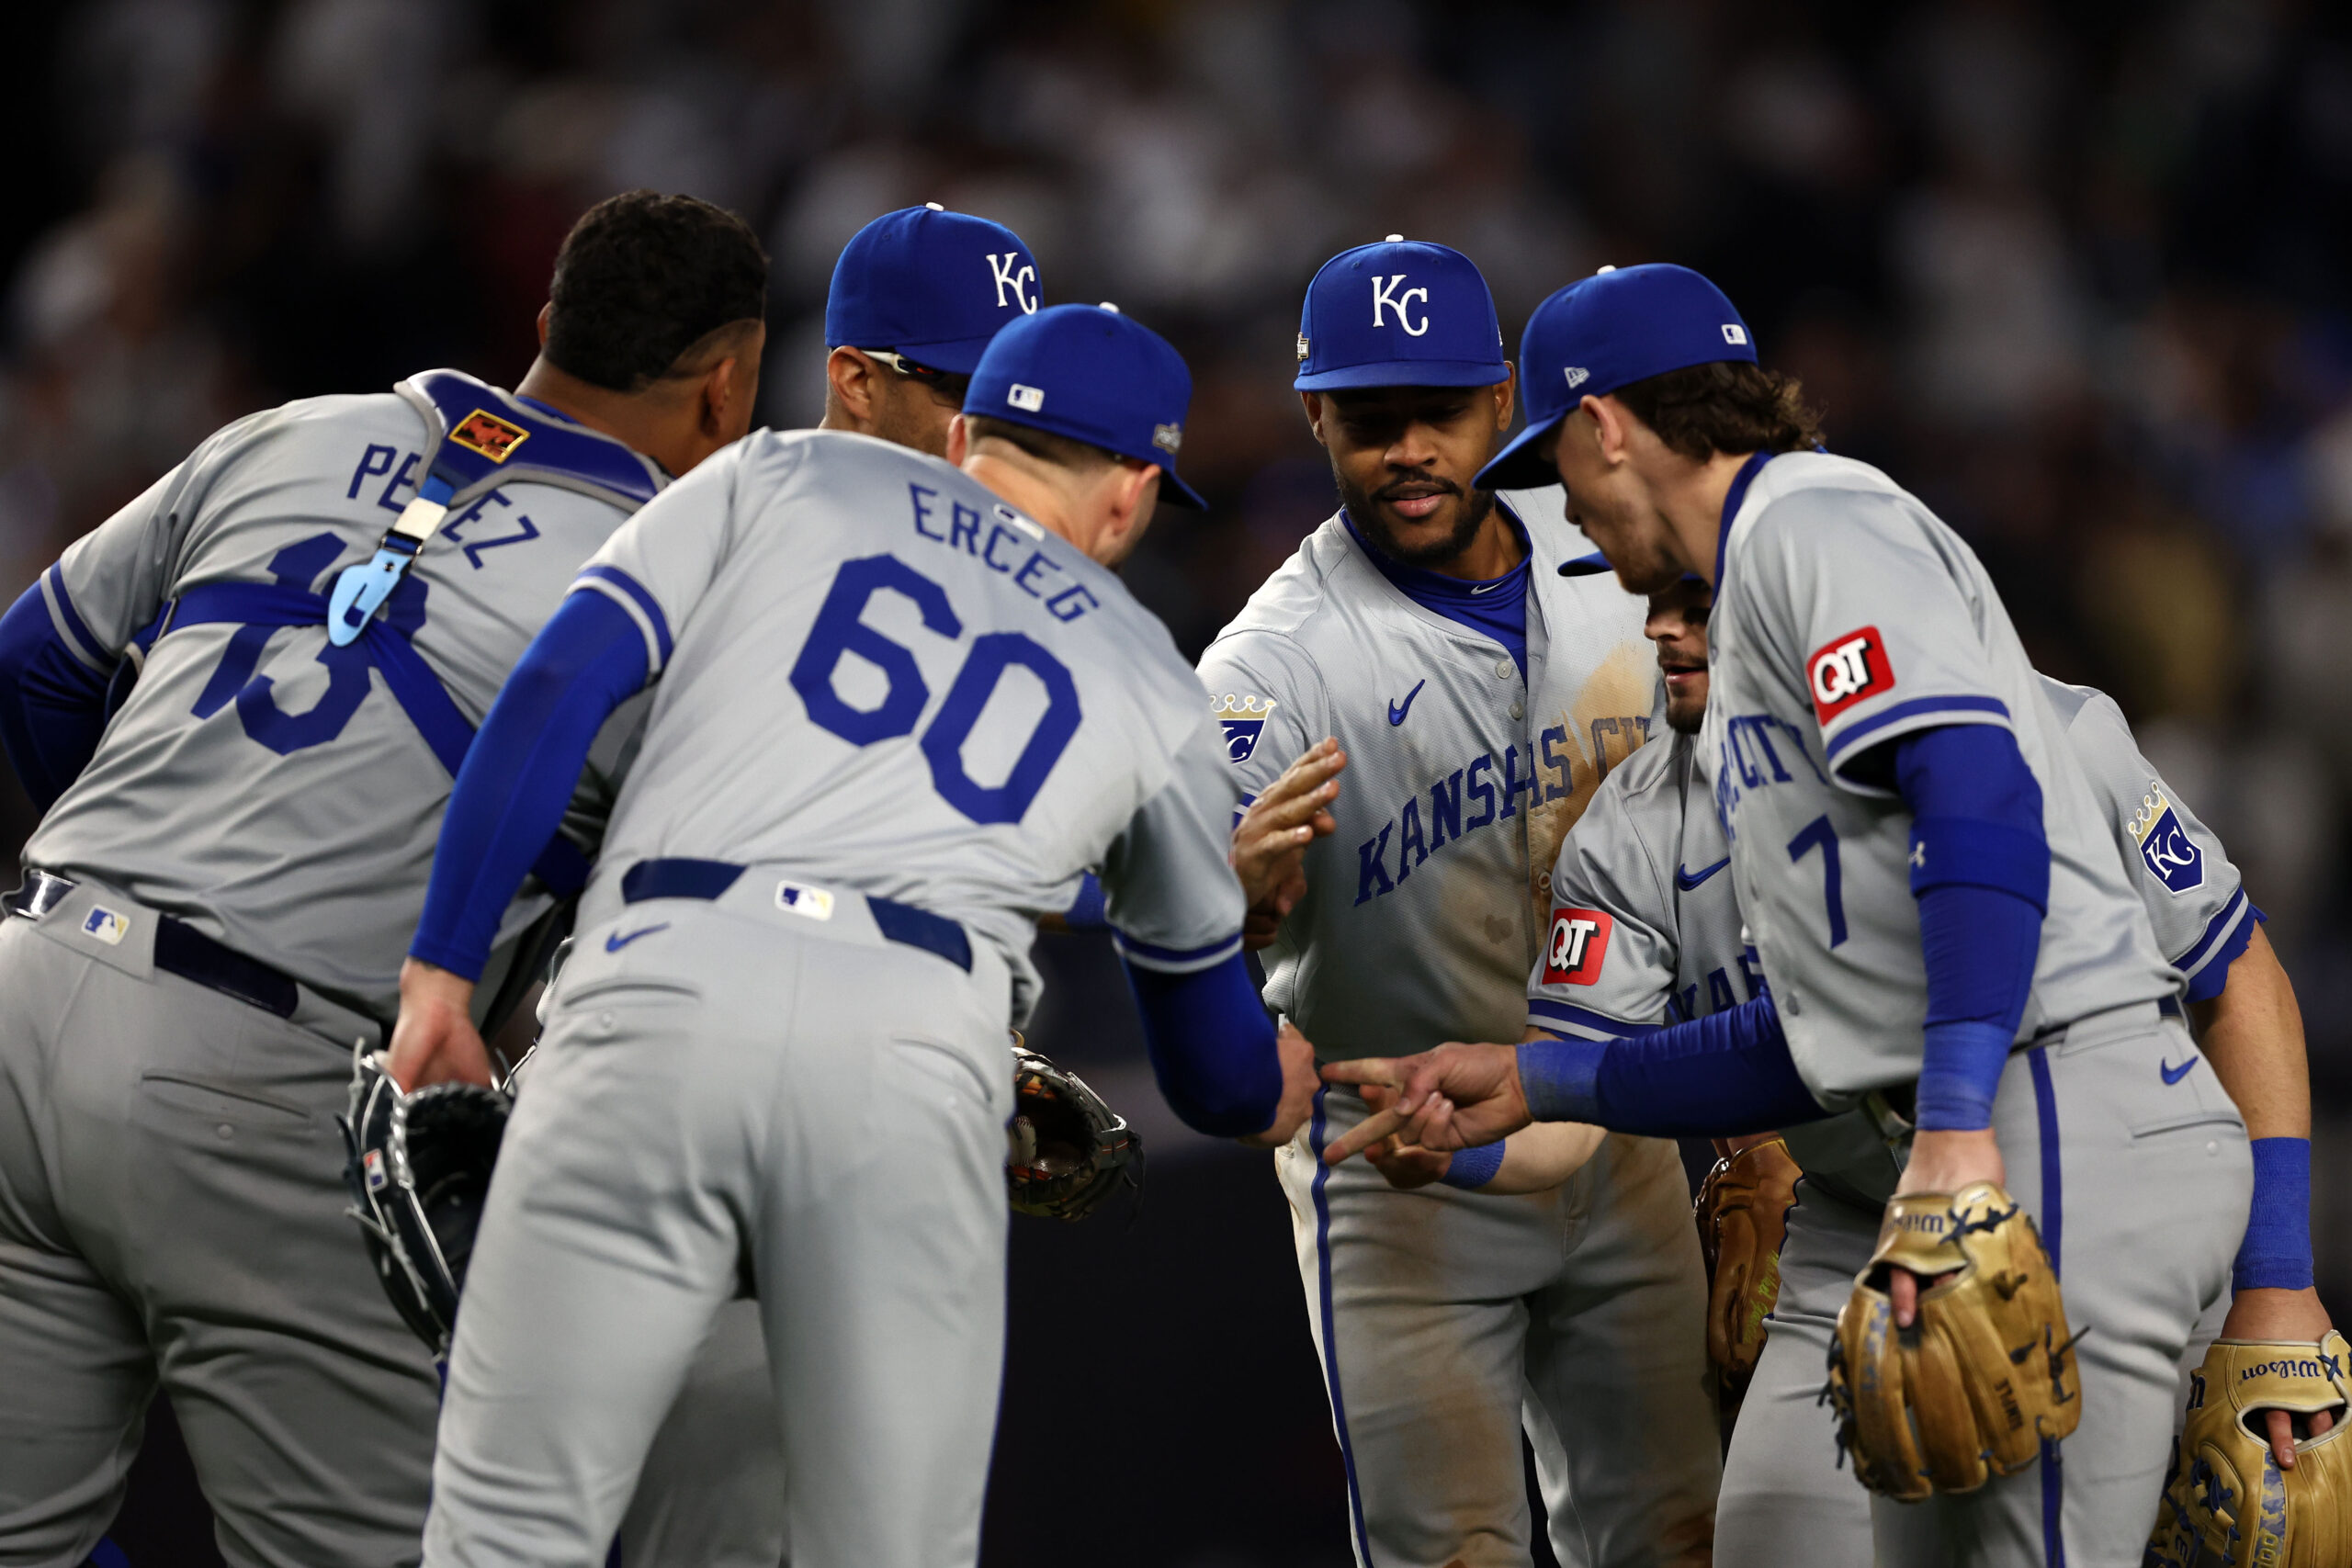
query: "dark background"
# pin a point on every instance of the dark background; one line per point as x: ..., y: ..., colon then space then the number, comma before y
x: 2077, y: 275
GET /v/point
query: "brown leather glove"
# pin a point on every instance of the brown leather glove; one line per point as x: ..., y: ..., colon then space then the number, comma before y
x: 1743, y: 1214
x: 2226, y: 1500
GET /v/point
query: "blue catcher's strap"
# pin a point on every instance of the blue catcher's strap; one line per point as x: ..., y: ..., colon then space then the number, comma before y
x: 561, y: 866
x: 482, y: 437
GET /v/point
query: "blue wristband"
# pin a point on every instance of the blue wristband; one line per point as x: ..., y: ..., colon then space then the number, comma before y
x: 2277, y: 1252
x: 1560, y: 1077
x: 1473, y: 1167
x: 1959, y: 1072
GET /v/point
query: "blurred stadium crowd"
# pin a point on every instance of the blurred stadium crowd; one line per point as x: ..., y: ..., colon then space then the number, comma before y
x: 2081, y: 275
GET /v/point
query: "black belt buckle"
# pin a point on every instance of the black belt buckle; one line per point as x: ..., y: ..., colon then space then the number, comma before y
x: 40, y: 891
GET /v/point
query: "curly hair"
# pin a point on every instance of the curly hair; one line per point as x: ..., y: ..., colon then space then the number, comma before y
x: 1726, y: 406
x: 643, y: 277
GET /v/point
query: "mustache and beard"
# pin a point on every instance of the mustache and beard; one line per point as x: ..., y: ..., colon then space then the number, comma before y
x: 1684, y: 714
x: 1469, y: 517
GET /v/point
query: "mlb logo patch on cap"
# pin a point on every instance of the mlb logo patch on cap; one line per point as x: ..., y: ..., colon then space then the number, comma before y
x: 799, y: 898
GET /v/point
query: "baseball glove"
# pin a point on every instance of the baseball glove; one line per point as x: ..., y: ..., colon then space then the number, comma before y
x: 1067, y: 1149
x: 419, y: 1169
x: 1986, y: 1374
x: 2226, y: 1502
x: 1743, y: 1212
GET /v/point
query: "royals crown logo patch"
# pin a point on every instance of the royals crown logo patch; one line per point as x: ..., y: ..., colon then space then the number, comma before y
x: 1243, y: 717
x: 2171, y: 856
x: 484, y: 432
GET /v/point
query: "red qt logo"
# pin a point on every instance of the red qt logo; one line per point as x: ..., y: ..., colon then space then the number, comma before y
x: 1575, y: 947
x: 1848, y: 670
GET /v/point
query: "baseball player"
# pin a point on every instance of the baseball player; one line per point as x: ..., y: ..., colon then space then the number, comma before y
x: 1643, y: 869
x: 1934, y: 898
x: 916, y: 296
x: 897, y: 710
x: 1423, y: 640
x: 320, y: 604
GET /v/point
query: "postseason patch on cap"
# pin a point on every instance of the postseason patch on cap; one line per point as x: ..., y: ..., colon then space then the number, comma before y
x: 1168, y: 438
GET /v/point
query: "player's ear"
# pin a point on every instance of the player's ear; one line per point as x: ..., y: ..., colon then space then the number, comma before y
x: 545, y: 311
x: 849, y: 378
x: 1506, y: 395
x: 1612, y: 427
x: 1313, y: 402
x: 959, y: 441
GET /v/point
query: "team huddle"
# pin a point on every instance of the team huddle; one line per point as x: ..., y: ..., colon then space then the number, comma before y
x: 1654, y: 773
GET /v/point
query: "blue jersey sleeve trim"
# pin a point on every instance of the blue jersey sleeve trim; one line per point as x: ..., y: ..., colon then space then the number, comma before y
x: 1720, y: 1076
x: 1917, y: 706
x: 1212, y: 1046
x: 1175, y: 960
x: 510, y: 794
x: 52, y: 703
x: 644, y: 601
x: 79, y: 639
x: 2213, y: 978
x: 2201, y: 955
x: 1546, y: 1011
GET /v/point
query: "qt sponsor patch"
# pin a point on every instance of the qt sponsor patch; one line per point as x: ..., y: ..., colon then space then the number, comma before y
x: 1848, y: 670
x: 1575, y: 946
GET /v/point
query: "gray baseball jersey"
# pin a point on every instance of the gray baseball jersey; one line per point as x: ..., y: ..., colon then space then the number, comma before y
x: 268, y: 788
x: 1646, y: 930
x: 1422, y: 910
x: 872, y: 672
x: 1812, y: 665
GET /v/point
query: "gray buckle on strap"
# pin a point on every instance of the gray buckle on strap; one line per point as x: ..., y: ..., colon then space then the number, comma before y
x: 40, y: 893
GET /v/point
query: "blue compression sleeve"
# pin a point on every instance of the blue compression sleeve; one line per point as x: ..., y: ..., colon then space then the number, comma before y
x: 1212, y: 1046
x: 1720, y: 1076
x: 52, y: 707
x: 519, y: 778
x: 1980, y: 869
x: 1472, y: 1169
x: 2277, y: 1252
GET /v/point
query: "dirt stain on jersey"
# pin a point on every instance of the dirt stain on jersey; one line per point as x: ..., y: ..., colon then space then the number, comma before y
x: 1608, y: 722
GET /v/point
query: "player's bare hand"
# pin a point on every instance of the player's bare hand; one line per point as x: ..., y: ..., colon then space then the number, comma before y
x: 1941, y: 1162
x: 1404, y: 1166
x: 1455, y: 1096
x: 2290, y: 1316
x: 1299, y: 1084
x: 1270, y: 841
x: 435, y: 1041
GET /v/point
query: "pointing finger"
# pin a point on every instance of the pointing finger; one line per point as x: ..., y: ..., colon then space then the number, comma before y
x: 1381, y: 1070
x: 1365, y: 1134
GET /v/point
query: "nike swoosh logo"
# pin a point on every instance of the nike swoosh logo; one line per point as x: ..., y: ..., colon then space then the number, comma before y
x: 1686, y: 880
x: 1396, y: 711
x: 1482, y: 588
x: 2173, y: 1074
x: 615, y: 942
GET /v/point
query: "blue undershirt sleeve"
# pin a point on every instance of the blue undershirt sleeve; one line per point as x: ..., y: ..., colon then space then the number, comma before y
x: 1980, y: 869
x: 519, y: 778
x: 52, y: 707
x: 1720, y: 1076
x: 1212, y: 1046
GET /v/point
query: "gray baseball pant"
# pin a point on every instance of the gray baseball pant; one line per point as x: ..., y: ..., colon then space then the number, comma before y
x: 731, y: 1081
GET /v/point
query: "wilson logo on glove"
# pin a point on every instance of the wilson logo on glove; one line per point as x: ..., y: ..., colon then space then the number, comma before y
x: 1848, y: 670
x: 1578, y: 945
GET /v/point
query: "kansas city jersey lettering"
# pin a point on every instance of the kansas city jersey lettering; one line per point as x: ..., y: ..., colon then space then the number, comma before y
x: 1575, y: 947
x: 1492, y: 794
x: 2172, y: 856
x: 1846, y: 669
x: 1751, y: 756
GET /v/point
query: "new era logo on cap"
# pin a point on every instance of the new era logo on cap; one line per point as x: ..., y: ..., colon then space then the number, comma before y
x: 1031, y: 399
x: 1578, y: 375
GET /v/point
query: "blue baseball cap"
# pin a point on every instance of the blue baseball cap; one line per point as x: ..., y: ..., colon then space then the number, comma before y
x: 1092, y: 375
x: 1399, y: 314
x: 933, y: 285
x: 1617, y: 327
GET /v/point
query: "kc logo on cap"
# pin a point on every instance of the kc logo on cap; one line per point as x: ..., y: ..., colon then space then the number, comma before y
x: 1430, y: 322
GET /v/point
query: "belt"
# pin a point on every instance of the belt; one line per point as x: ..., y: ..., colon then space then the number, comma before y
x: 675, y: 877
x: 180, y: 948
